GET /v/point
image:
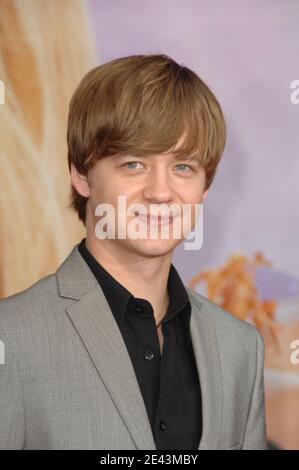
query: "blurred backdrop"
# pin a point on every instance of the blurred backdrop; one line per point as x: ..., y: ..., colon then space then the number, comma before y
x: 247, y: 52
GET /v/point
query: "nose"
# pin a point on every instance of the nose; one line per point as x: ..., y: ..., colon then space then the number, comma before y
x: 158, y: 188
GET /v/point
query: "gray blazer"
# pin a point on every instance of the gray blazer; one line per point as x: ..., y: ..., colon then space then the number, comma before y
x: 68, y: 381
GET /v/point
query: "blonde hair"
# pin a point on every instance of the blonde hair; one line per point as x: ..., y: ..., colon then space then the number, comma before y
x: 142, y: 104
x: 45, y: 48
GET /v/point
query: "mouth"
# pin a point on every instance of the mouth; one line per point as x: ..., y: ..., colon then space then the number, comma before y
x: 155, y: 220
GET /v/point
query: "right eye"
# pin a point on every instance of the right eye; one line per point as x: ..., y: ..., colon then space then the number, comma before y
x: 131, y: 163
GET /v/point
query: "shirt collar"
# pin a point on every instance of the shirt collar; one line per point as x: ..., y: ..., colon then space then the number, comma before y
x: 118, y: 296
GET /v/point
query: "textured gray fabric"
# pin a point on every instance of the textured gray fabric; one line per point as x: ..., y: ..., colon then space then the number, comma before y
x: 68, y: 381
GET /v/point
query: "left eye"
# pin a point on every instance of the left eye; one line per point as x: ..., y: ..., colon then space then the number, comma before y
x: 184, y: 166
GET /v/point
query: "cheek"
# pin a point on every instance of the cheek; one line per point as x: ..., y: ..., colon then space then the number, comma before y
x: 130, y: 193
x: 99, y: 193
x: 193, y: 194
x: 107, y: 193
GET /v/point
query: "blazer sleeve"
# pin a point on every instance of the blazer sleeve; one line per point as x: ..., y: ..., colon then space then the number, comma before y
x: 12, y: 428
x: 255, y: 434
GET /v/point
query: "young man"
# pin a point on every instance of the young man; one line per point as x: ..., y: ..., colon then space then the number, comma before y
x: 111, y: 351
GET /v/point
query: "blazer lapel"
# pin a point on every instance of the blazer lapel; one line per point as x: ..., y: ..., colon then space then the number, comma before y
x: 206, y: 351
x: 95, y: 323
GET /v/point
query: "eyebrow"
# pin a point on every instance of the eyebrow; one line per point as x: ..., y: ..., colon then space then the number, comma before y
x: 186, y: 157
x: 175, y: 157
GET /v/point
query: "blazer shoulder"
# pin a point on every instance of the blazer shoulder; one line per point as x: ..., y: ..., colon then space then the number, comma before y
x: 224, y: 319
x: 31, y: 299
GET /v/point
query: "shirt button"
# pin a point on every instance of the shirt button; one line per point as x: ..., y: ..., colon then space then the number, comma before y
x: 148, y: 355
x: 138, y: 308
x: 163, y: 425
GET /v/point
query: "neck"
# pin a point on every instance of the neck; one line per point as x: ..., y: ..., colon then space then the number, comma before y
x: 144, y: 277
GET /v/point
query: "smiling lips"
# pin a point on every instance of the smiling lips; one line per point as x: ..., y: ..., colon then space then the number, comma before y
x: 155, y: 219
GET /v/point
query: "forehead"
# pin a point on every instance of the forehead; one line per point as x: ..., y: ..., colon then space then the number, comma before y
x: 177, y: 152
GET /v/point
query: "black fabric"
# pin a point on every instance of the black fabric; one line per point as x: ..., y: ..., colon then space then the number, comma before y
x: 169, y: 383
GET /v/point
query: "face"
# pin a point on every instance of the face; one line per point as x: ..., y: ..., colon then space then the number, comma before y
x: 150, y: 180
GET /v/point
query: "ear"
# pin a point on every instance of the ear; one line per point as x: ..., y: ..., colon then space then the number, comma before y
x: 79, y: 182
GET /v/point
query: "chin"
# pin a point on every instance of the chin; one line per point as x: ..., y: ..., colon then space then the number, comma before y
x: 151, y: 248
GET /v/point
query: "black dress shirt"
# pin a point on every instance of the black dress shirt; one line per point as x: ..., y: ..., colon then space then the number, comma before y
x: 169, y: 382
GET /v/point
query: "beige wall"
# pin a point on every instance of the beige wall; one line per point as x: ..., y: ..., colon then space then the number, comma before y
x: 45, y: 50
